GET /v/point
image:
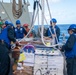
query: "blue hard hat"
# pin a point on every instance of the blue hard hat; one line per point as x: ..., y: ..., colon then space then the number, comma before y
x: 72, y: 26
x: 6, y: 23
x: 18, y: 22
x: 11, y: 24
x: 53, y: 20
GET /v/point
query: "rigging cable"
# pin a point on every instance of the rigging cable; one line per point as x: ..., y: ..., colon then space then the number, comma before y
x: 48, y: 9
x: 42, y: 28
x: 51, y: 18
x: 33, y: 20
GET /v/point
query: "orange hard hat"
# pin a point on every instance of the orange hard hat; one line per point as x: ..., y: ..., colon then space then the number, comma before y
x: 25, y: 25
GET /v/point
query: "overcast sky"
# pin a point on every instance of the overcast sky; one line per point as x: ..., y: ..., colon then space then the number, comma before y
x: 63, y: 10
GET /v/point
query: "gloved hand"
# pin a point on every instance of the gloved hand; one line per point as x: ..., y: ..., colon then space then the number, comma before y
x: 13, y: 46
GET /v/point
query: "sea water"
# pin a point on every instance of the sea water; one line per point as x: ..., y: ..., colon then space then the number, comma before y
x: 63, y: 30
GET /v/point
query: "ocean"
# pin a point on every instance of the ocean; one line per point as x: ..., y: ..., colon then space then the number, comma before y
x: 63, y: 30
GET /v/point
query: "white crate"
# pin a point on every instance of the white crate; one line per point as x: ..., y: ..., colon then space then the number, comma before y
x: 40, y: 51
x: 56, y: 69
x: 47, y: 52
x: 40, y: 59
x: 48, y: 71
x: 29, y: 61
x: 55, y: 60
x: 53, y: 65
x: 39, y: 68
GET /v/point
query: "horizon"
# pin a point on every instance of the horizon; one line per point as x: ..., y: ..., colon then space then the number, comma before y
x: 56, y: 24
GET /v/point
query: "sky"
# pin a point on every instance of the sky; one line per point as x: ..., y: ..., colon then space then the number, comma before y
x: 63, y: 10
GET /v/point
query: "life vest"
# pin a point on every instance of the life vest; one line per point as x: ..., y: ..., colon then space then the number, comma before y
x: 71, y: 53
x: 4, y: 35
x: 19, y: 33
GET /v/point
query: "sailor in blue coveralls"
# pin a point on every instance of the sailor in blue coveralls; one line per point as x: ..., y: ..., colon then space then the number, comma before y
x: 19, y: 30
x: 70, y: 50
x: 4, y: 51
x: 53, y: 31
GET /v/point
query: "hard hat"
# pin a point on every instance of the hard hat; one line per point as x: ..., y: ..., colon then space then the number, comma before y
x: 18, y: 22
x: 53, y: 20
x: 72, y: 27
x: 25, y: 25
x: 6, y: 23
x: 11, y: 24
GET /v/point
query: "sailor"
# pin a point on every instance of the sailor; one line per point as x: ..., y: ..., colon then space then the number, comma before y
x: 11, y: 33
x: 5, y: 65
x: 20, y: 32
x: 26, y: 27
x: 6, y: 35
x: 32, y: 33
x: 70, y: 50
x: 4, y: 59
x: 53, y: 31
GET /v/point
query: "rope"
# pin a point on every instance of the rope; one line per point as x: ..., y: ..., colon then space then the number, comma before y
x: 43, y: 31
x: 48, y: 8
x: 17, y: 13
x: 32, y: 23
x: 56, y: 37
x: 33, y: 20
